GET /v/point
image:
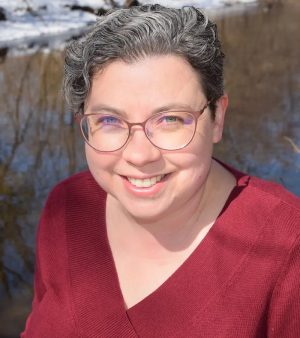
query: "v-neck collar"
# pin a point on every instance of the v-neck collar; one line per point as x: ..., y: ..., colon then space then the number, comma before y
x: 201, y: 253
x: 95, y: 292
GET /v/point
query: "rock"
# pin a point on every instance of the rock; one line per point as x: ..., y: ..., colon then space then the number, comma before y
x: 82, y: 8
x: 2, y: 14
x: 130, y: 3
x: 127, y: 4
x: 101, y: 11
x: 3, y: 53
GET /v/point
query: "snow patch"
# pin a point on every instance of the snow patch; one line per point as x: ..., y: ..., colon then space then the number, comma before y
x: 29, y: 20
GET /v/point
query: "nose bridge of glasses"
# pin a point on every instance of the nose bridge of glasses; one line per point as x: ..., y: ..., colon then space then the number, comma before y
x: 138, y: 144
x: 136, y: 126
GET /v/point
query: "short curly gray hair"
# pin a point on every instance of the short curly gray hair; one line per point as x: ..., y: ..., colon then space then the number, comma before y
x: 133, y: 33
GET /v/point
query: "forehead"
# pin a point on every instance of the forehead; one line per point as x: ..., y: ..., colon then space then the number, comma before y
x: 146, y: 84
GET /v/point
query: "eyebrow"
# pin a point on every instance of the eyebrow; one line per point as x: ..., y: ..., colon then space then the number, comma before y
x: 171, y: 106
x: 97, y: 108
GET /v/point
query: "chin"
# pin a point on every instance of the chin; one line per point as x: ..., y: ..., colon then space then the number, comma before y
x: 145, y: 211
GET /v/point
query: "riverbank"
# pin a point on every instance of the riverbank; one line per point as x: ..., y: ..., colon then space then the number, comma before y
x: 23, y: 22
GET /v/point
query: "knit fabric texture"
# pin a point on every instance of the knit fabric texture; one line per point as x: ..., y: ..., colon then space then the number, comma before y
x: 242, y: 280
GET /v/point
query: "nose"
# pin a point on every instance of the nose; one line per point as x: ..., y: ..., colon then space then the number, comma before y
x: 139, y: 151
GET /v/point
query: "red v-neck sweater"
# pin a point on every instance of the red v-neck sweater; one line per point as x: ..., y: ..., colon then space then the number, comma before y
x: 243, y: 280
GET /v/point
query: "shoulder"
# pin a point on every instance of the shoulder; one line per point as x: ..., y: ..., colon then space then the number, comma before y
x: 266, y: 219
x: 272, y: 205
x: 80, y: 180
x: 274, y: 196
x: 263, y: 194
x: 79, y: 186
x: 74, y: 194
x: 265, y: 208
x: 275, y: 192
x: 264, y: 198
x: 71, y: 201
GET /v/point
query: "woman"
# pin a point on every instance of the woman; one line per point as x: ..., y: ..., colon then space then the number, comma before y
x: 158, y: 239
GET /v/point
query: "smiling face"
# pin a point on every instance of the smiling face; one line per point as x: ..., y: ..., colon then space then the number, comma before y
x: 144, y: 181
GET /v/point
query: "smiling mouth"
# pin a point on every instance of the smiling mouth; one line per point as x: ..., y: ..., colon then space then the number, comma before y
x: 145, y: 183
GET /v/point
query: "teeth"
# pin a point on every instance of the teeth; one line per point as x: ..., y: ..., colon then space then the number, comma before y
x: 148, y: 182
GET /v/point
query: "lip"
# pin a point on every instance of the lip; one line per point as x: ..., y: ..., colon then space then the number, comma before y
x: 144, y: 177
x: 145, y: 191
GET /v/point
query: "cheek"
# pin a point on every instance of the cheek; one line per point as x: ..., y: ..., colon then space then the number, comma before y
x: 101, y: 167
x: 92, y: 158
x: 100, y: 164
x: 192, y: 166
x: 193, y: 163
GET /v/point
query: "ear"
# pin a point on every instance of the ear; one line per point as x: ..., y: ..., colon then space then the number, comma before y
x: 221, y: 106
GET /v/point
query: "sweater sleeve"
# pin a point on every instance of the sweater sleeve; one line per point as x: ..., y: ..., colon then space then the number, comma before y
x: 49, y: 300
x: 284, y: 315
x: 38, y: 291
x: 38, y: 285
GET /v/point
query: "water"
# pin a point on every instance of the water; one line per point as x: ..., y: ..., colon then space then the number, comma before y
x: 40, y: 144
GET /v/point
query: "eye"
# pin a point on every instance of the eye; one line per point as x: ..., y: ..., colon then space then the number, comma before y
x: 171, y: 119
x: 109, y: 120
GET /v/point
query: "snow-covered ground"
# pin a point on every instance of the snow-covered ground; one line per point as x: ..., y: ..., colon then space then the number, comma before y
x: 22, y: 21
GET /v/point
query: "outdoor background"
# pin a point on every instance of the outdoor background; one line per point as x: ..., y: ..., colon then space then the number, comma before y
x: 40, y: 144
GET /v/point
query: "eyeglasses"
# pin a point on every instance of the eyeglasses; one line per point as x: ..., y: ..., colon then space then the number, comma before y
x: 170, y: 130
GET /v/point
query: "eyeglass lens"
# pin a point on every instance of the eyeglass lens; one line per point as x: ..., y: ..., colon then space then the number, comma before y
x: 169, y: 130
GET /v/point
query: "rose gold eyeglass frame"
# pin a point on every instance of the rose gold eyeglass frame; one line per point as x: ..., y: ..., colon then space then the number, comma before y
x: 79, y: 117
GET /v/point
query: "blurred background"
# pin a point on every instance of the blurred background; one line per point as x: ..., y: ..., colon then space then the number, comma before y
x: 41, y: 145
